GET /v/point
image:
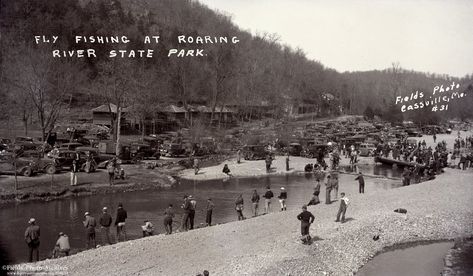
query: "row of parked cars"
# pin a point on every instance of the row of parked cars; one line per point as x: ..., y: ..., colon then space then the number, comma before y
x: 27, y: 157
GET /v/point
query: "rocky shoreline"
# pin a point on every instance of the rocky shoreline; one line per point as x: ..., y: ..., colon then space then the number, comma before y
x: 441, y: 209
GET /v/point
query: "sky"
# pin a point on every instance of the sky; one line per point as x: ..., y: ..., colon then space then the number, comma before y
x: 433, y: 36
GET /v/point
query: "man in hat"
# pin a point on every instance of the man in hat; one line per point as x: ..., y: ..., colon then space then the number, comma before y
x: 192, y: 206
x: 62, y: 246
x: 282, y: 199
x: 361, y: 183
x: 90, y: 223
x: 210, y: 208
x: 185, y: 218
x: 32, y: 234
x: 105, y: 221
x: 306, y: 218
x: 343, y: 208
x: 120, y: 222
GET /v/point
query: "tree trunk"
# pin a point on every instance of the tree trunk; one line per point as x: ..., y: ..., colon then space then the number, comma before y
x: 117, y: 130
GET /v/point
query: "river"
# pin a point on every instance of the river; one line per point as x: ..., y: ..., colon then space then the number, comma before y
x: 66, y: 215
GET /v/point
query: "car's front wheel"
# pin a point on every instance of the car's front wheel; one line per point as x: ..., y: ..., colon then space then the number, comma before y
x: 50, y: 169
x: 27, y: 172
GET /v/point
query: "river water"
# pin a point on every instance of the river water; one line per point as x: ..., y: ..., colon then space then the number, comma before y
x: 66, y: 215
x: 420, y: 260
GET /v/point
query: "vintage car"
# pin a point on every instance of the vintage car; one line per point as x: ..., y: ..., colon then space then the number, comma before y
x: 70, y: 146
x: 294, y: 149
x: 314, y: 150
x: 366, y: 149
x: 24, y: 166
x: 255, y: 152
x: 140, y: 151
x: 172, y: 149
x: 64, y: 158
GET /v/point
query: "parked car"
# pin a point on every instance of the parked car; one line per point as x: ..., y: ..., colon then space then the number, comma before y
x: 294, y: 149
x: 413, y: 133
x: 367, y: 149
x: 64, y: 159
x: 172, y: 149
x: 23, y: 166
x: 20, y: 139
x: 140, y: 151
x: 39, y: 162
x: 70, y: 146
x: 255, y: 152
x: 312, y: 150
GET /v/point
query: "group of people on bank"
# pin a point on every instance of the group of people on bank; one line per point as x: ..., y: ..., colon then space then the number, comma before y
x: 62, y: 246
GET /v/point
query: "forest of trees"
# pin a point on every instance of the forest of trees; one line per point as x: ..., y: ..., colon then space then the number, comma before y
x: 258, y: 69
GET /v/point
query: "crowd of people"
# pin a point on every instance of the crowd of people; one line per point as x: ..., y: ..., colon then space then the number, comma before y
x: 428, y: 162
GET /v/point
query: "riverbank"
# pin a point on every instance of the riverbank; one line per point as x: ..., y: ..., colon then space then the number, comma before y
x: 47, y: 187
x: 269, y: 245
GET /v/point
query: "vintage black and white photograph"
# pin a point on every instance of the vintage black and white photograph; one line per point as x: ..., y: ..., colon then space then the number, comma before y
x: 236, y: 137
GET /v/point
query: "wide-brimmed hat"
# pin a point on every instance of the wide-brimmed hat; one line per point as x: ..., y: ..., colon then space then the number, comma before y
x: 32, y: 220
x: 61, y: 233
x: 282, y: 188
x: 104, y: 208
x: 86, y: 214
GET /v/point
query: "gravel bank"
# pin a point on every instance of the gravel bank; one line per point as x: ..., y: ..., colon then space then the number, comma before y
x: 269, y: 245
x: 258, y: 167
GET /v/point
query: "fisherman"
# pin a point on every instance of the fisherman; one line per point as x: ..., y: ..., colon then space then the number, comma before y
x: 32, y: 234
x: 185, y: 218
x: 168, y: 218
x: 105, y: 221
x: 210, y: 208
x: 343, y: 208
x: 282, y: 199
x: 267, y: 200
x: 226, y: 170
x: 239, y: 156
x: 239, y: 207
x: 120, y: 222
x: 192, y: 206
x: 268, y: 162
x: 255, y: 201
x: 306, y: 218
x: 328, y: 189
x: 196, y: 166
x: 334, y: 184
x: 287, y: 161
x: 74, y: 170
x: 62, y: 245
x: 90, y: 223
x: 361, y: 183
x: 147, y: 228
x: 111, y: 171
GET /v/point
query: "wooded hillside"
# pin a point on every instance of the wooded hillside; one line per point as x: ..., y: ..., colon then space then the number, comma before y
x: 257, y: 70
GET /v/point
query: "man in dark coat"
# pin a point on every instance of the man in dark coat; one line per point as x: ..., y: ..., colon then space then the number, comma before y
x: 361, y: 183
x: 32, y: 234
x: 306, y: 218
x: 120, y: 222
x: 90, y: 223
x: 105, y: 221
x: 267, y: 200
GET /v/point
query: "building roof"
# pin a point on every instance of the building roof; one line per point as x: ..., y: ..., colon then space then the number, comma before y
x: 106, y: 109
x: 173, y: 109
